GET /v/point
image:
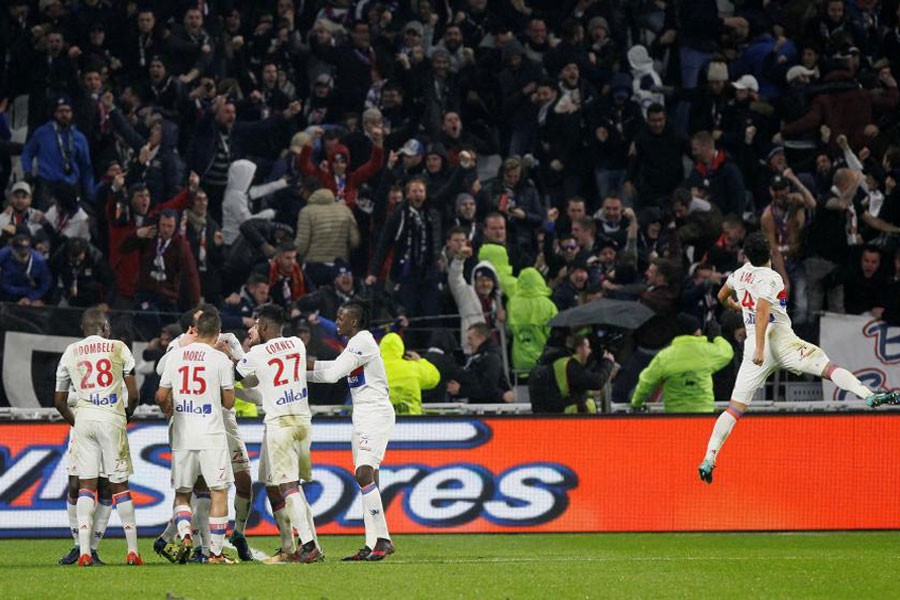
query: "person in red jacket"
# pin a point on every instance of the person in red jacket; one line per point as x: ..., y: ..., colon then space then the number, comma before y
x: 333, y: 173
x: 287, y: 282
x: 128, y: 212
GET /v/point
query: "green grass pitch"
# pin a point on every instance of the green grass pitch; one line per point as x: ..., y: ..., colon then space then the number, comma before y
x: 550, y: 567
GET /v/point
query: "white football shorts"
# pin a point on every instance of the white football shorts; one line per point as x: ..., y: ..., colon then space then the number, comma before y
x: 214, y: 464
x: 784, y: 350
x: 99, y: 448
x: 284, y: 453
x: 372, y: 428
x: 240, y: 458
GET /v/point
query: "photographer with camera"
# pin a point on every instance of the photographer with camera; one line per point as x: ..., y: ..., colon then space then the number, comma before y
x: 685, y: 369
x: 566, y: 372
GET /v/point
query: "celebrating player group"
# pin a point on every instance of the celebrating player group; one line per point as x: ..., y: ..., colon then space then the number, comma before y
x: 96, y: 394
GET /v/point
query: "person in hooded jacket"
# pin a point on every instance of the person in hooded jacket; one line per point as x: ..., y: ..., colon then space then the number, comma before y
x: 333, y: 173
x: 239, y: 193
x: 528, y: 313
x: 326, y: 230
x: 478, y: 302
x: 407, y: 374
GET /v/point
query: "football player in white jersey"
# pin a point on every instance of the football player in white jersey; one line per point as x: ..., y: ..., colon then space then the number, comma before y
x: 195, y: 387
x: 373, y: 418
x: 100, y: 370
x: 771, y: 344
x: 276, y: 366
x: 240, y: 458
x: 104, y: 500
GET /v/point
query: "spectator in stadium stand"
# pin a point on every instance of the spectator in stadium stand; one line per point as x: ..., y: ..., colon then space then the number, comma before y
x: 353, y: 62
x: 684, y: 369
x: 726, y: 183
x: 25, y: 277
x: 568, y: 294
x: 408, y: 374
x: 50, y: 73
x: 257, y: 243
x: 482, y: 379
x: 831, y: 234
x: 562, y: 221
x: 698, y: 292
x: 887, y: 306
x: 167, y: 274
x: 697, y: 223
x: 239, y: 308
x: 518, y: 81
x: 359, y: 143
x: 190, y: 46
x: 565, y: 374
x: 66, y: 217
x: 83, y: 276
x: 334, y: 173
x: 146, y: 41
x: 287, y: 281
x: 614, y: 123
x: 725, y: 253
x: 662, y: 293
x: 413, y: 232
x: 326, y: 230
x: 613, y: 220
x: 528, y: 313
x: 865, y: 281
x: 126, y: 213
x: 655, y: 161
x: 708, y: 102
x: 340, y: 288
x: 19, y: 216
x: 219, y: 140
x: 239, y: 196
x: 205, y: 238
x: 62, y: 154
x: 514, y: 195
x: 584, y: 230
x: 559, y: 147
x: 478, y: 302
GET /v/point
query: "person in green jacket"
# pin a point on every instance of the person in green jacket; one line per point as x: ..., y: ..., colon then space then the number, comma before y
x: 408, y: 374
x: 685, y: 369
x: 498, y: 256
x: 527, y: 314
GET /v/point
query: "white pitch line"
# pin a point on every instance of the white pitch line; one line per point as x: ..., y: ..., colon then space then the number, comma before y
x: 576, y: 559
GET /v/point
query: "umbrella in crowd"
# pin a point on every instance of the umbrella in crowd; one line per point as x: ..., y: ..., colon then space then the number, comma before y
x: 627, y: 314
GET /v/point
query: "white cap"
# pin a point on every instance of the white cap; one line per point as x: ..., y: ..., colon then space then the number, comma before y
x: 747, y: 82
x: 798, y: 71
x: 21, y: 186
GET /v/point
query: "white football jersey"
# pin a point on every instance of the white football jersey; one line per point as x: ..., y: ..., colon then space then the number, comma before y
x: 95, y: 369
x: 752, y: 283
x: 197, y: 374
x: 362, y: 365
x: 237, y: 351
x: 280, y: 367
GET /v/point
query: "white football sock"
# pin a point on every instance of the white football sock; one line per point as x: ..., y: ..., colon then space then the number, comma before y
x: 125, y: 508
x: 241, y: 512
x: 371, y: 499
x: 298, y: 508
x: 285, y: 532
x: 217, y: 528
x: 846, y: 380
x: 85, y: 510
x: 200, y: 504
x: 720, y: 433
x: 183, y: 520
x: 169, y: 533
x: 72, y: 511
x: 101, y: 520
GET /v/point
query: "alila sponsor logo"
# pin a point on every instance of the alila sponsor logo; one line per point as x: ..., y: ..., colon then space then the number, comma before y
x: 100, y: 400
x: 291, y: 396
x: 188, y: 406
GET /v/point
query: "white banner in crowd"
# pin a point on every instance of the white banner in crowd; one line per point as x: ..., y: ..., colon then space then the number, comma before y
x: 864, y: 345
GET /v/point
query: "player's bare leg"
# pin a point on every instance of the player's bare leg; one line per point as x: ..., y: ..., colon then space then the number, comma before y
x: 243, y: 499
x: 218, y: 526
x: 71, y: 501
x: 722, y: 429
x: 287, y: 552
x: 376, y: 527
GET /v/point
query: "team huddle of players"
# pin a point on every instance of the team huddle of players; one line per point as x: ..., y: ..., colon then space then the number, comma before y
x: 197, y: 391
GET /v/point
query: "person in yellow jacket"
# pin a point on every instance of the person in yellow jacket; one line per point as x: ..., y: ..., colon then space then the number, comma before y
x: 407, y: 374
x: 685, y: 369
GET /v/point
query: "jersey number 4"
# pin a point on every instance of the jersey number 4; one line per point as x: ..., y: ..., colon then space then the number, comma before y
x: 277, y: 362
x: 104, y: 373
x: 747, y: 302
x: 192, y: 374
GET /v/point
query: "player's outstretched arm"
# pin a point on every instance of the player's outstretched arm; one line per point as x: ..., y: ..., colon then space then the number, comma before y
x: 61, y: 400
x: 763, y: 308
x: 331, y: 371
x: 726, y: 299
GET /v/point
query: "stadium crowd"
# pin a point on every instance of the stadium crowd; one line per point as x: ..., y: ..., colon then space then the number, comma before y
x: 471, y: 168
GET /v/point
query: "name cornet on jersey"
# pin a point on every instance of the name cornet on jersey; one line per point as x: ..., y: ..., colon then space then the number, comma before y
x: 290, y: 396
x: 188, y: 406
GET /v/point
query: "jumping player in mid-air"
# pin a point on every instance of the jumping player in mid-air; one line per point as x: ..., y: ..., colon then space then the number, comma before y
x: 771, y: 344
